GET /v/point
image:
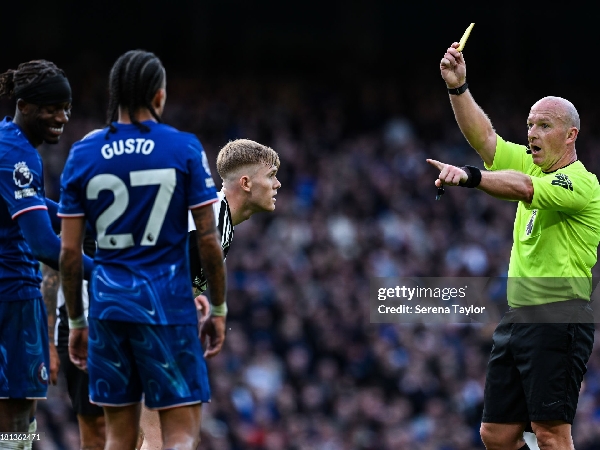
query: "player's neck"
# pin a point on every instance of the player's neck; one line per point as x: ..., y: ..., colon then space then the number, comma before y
x: 141, y: 115
x: 239, y: 212
x: 35, y: 141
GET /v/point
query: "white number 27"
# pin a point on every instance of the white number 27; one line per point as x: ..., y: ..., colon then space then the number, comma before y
x: 167, y: 180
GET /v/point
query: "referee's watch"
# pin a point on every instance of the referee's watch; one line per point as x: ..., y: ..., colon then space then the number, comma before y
x: 459, y: 90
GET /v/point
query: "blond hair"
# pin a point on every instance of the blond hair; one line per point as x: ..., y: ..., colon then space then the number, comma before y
x: 244, y: 152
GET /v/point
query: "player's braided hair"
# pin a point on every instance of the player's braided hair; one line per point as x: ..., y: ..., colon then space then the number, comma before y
x: 134, y: 79
x: 27, y: 73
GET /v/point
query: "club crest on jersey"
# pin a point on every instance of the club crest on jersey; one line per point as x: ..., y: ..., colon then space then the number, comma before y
x: 22, y: 176
x: 43, y: 374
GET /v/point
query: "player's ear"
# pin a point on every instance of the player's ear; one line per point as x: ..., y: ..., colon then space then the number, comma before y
x: 24, y: 107
x: 159, y: 99
x: 245, y: 183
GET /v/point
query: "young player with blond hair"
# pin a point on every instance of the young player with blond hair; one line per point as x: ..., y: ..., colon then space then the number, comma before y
x: 249, y: 173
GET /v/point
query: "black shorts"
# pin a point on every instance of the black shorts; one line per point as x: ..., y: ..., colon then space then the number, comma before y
x: 77, y: 383
x: 535, y: 370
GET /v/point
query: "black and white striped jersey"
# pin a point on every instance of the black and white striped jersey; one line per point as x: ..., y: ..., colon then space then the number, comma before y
x: 225, y: 228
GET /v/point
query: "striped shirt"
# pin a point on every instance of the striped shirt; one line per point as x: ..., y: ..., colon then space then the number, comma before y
x: 225, y: 228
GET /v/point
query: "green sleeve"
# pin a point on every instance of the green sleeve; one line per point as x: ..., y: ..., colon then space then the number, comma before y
x: 510, y: 156
x: 558, y: 191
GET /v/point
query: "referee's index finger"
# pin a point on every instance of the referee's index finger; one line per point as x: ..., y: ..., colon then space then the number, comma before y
x: 438, y: 165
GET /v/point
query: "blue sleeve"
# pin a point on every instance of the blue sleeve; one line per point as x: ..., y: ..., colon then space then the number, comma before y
x: 52, y: 210
x: 21, y: 181
x: 201, y: 187
x: 56, y: 221
x: 44, y: 244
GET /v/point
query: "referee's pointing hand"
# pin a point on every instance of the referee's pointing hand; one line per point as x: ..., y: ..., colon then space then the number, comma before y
x: 449, y: 175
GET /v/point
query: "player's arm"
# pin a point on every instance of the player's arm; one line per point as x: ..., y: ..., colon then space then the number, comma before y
x: 52, y: 211
x: 45, y: 245
x: 71, y: 278
x: 55, y: 219
x: 50, y: 283
x: 502, y: 184
x: 211, y: 256
x: 195, y: 264
x: 211, y: 253
x: 472, y: 120
x: 71, y: 264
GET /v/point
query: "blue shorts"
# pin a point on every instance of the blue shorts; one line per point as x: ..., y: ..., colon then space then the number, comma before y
x: 24, y: 357
x: 164, y: 362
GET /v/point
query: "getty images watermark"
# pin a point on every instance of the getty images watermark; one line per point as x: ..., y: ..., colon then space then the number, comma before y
x: 482, y: 300
x: 425, y: 293
x: 434, y: 300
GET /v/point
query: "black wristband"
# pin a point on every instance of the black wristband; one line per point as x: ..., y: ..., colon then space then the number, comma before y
x: 459, y: 90
x: 474, y: 177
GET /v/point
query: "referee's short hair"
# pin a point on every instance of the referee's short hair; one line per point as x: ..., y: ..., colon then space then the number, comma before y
x: 244, y: 152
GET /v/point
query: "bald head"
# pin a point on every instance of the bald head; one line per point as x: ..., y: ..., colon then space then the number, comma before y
x: 560, y: 108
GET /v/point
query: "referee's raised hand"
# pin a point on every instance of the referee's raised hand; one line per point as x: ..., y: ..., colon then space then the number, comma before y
x: 449, y: 175
x: 453, y: 67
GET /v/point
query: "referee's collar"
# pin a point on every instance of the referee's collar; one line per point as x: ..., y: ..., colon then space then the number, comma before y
x: 555, y: 170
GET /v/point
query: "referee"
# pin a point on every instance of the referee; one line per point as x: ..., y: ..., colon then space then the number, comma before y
x: 543, y: 343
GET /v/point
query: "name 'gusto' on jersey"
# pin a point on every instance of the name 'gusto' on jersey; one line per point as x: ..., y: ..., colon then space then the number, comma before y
x: 128, y: 146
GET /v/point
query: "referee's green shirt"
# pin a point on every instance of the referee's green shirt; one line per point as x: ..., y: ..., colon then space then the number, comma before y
x: 555, y: 238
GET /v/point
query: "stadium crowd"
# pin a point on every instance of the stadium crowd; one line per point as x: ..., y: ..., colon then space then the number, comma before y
x: 302, y: 367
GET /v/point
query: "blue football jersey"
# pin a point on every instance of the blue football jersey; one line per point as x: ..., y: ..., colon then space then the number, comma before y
x: 135, y: 188
x: 21, y: 190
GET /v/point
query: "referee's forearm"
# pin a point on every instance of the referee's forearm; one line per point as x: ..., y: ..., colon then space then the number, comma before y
x: 507, y: 185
